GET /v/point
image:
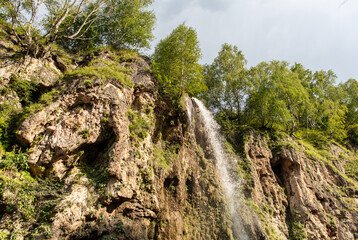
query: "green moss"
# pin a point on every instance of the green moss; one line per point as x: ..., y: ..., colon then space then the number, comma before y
x: 297, y: 231
x: 64, y: 55
x: 139, y: 126
x: 87, y: 83
x: 120, y: 227
x: 244, y: 165
x: 145, y: 180
x: 279, y: 140
x: 265, y: 219
x: 4, y: 234
x: 97, y: 175
x: 49, y: 97
x: 31, y: 200
x: 272, y: 232
x: 15, y: 160
x: 257, y: 210
x: 164, y: 154
x: 351, y: 166
x: 25, y: 90
x: 324, y: 157
x: 85, y: 133
x: 124, y: 56
x: 102, y: 69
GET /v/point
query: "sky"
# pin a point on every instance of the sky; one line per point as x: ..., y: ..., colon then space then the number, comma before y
x: 319, y: 34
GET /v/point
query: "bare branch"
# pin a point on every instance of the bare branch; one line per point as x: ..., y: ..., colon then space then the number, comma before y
x: 85, y: 22
x: 59, y: 19
x: 76, y: 15
x: 15, y: 21
x: 34, y: 11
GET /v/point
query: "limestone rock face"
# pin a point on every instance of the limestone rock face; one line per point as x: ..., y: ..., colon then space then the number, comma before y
x: 300, y: 193
x: 130, y: 168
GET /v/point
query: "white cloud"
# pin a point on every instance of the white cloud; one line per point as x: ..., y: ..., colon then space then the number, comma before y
x: 320, y: 34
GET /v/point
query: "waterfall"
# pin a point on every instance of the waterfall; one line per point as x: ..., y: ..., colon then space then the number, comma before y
x: 189, y: 106
x: 224, y: 163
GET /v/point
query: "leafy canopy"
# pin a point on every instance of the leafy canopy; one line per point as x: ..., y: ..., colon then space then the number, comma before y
x: 227, y: 82
x: 176, y: 63
x: 277, y: 97
x: 79, y: 24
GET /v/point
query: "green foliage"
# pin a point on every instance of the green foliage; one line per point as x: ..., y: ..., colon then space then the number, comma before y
x: 277, y: 99
x: 297, y: 231
x: 80, y: 25
x: 11, y: 114
x: 85, y: 133
x: 332, y: 116
x: 318, y: 138
x: 120, y: 24
x: 227, y: 82
x: 176, y: 64
x: 275, y: 96
x: 8, y: 123
x: 164, y: 154
x: 353, y: 134
x: 33, y: 200
x: 349, y: 97
x: 15, y: 160
x: 138, y: 127
x: 120, y: 227
x: 107, y: 71
x: 128, y: 24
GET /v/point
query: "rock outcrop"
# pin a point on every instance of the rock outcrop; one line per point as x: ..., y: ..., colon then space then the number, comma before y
x: 300, y: 193
x: 129, y: 163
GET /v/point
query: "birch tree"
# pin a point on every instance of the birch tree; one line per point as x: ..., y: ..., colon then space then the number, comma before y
x: 37, y: 24
x: 176, y: 63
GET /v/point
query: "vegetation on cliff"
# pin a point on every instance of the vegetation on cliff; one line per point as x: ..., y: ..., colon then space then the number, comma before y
x: 274, y: 95
x: 176, y: 63
x: 103, y: 139
x: 78, y: 24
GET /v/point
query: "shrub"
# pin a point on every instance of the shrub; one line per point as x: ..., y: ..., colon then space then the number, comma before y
x: 353, y: 134
x: 85, y: 133
x: 318, y: 138
x: 15, y: 160
x: 25, y: 90
x: 107, y: 71
x: 31, y: 199
x: 138, y: 127
x: 120, y: 227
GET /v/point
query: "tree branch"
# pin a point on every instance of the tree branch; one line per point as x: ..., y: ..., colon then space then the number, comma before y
x: 85, y: 22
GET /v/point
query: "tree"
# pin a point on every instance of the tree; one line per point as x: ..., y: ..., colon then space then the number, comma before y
x: 348, y: 97
x: 277, y: 98
x: 127, y: 23
x: 122, y: 24
x: 176, y: 63
x: 227, y: 82
x: 71, y: 21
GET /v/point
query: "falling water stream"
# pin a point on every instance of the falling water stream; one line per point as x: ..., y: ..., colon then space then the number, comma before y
x: 224, y: 164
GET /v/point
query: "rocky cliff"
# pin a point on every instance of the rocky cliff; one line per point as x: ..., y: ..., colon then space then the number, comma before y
x: 100, y: 155
x: 301, y: 191
x: 116, y: 161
